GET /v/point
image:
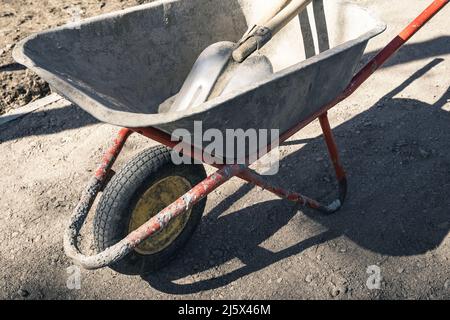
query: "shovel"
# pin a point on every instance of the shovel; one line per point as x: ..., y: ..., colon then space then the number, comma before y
x: 226, y: 66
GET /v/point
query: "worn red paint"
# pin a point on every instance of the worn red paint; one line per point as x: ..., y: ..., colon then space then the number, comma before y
x: 394, y: 46
x: 375, y: 63
x: 226, y: 172
x: 355, y: 83
x: 182, y: 204
x: 111, y: 155
x: 257, y: 180
x: 422, y: 19
x: 166, y: 139
x: 332, y: 147
x: 251, y: 177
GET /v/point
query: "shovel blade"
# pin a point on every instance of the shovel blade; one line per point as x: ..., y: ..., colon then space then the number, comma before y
x: 203, y: 76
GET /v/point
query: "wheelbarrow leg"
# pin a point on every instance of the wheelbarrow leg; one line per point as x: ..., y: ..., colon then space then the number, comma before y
x: 334, y: 155
x: 254, y: 178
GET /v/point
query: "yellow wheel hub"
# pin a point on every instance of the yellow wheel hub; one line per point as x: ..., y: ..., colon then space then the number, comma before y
x: 159, y: 196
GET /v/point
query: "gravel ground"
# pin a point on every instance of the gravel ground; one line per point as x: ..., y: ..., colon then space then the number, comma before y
x: 394, y: 137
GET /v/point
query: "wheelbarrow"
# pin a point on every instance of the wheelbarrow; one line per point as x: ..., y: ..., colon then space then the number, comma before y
x: 124, y: 67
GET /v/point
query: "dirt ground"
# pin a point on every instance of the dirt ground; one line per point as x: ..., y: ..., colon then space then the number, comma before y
x: 19, y: 19
x: 394, y: 137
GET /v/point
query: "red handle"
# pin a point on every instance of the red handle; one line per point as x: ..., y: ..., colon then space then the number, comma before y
x: 375, y: 63
x: 394, y: 45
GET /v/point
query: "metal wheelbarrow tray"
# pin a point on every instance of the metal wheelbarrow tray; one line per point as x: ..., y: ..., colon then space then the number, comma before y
x: 121, y: 67
x: 124, y: 67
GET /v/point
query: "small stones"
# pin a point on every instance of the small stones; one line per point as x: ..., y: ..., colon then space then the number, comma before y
x: 334, y: 292
x: 337, y: 290
x: 59, y: 202
x: 9, y: 46
x: 279, y: 280
x: 6, y: 14
x: 400, y: 270
x: 447, y: 284
x: 309, y: 278
x: 23, y: 293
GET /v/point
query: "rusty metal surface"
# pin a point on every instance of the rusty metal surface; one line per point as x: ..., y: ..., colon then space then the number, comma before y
x: 81, y: 211
x: 178, y: 207
x: 158, y: 222
x: 183, y: 204
x: 257, y: 180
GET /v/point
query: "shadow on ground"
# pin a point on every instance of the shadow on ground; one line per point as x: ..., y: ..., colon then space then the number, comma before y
x: 397, y: 155
x: 398, y: 159
x: 46, y: 122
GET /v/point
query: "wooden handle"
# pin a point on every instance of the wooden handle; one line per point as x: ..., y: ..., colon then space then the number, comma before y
x: 286, y: 15
x: 272, y: 12
x: 262, y: 34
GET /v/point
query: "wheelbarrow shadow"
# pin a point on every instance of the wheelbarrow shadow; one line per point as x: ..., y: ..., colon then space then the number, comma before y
x: 237, y: 235
x: 46, y: 122
x: 398, y: 158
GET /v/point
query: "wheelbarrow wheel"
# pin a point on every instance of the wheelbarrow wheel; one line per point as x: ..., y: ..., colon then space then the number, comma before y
x: 141, y: 189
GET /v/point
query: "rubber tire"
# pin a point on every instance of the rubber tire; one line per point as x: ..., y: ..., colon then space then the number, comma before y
x: 112, y: 218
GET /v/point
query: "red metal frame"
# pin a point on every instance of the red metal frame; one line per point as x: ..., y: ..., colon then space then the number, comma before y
x: 252, y: 177
x: 225, y: 172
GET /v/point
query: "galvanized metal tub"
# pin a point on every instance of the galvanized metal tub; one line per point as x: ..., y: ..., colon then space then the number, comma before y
x: 121, y: 67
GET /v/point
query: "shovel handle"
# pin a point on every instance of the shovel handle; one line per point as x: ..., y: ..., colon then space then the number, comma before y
x: 262, y: 34
x: 272, y: 12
